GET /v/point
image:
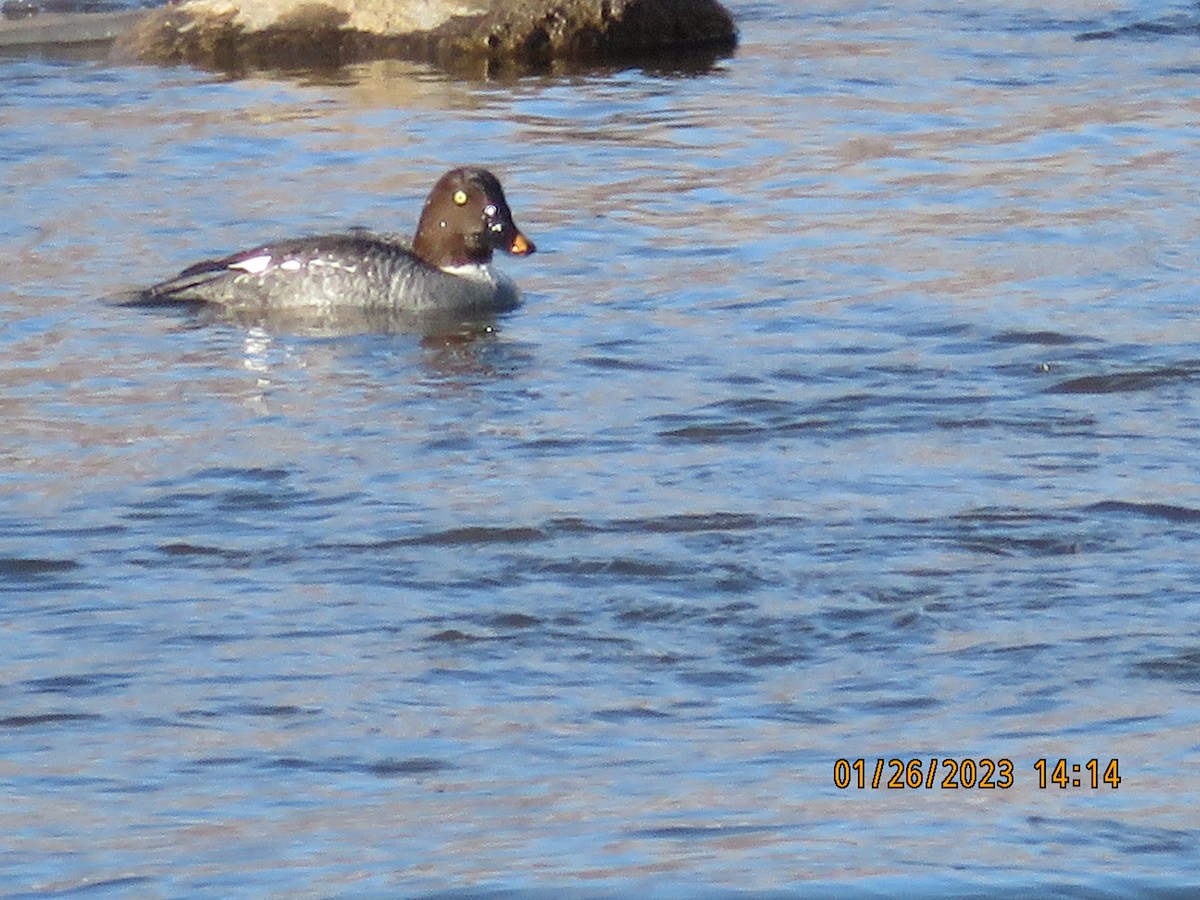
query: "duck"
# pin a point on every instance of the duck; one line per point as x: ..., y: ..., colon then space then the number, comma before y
x: 446, y: 269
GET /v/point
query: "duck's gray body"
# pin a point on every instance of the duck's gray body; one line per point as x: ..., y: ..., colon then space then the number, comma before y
x: 370, y: 271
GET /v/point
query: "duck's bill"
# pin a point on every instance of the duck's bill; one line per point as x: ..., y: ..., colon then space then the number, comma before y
x: 521, y: 245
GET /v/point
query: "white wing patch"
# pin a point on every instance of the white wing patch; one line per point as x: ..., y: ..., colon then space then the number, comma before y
x: 332, y: 264
x: 255, y: 265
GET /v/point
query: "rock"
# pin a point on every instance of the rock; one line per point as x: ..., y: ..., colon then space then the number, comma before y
x: 234, y: 35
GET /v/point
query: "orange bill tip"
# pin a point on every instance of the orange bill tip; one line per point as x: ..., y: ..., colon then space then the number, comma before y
x: 521, y: 245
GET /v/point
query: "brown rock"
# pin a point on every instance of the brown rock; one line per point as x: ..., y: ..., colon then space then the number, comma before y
x: 235, y: 35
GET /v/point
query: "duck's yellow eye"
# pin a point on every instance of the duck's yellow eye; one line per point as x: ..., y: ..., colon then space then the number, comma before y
x: 460, y: 198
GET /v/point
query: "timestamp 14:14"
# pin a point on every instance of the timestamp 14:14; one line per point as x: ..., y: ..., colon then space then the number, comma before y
x: 1064, y: 774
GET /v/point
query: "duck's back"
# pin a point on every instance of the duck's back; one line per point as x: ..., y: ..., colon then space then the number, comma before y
x: 358, y: 269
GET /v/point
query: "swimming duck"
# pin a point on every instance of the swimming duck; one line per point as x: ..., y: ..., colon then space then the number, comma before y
x: 446, y: 269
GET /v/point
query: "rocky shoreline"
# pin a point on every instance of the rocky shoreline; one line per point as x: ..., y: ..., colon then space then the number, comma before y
x: 481, y: 36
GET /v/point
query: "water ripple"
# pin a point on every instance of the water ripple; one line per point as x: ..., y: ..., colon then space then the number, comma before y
x: 861, y: 423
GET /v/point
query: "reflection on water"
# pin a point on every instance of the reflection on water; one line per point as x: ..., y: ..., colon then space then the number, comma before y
x: 315, y: 321
x: 850, y: 414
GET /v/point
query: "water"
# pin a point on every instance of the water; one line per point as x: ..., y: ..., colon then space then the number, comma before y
x: 851, y: 415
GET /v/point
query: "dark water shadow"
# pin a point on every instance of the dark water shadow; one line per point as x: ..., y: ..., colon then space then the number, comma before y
x: 1180, y: 24
x: 1130, y: 381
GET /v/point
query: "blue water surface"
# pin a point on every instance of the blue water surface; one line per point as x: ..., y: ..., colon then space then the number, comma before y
x: 851, y: 415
